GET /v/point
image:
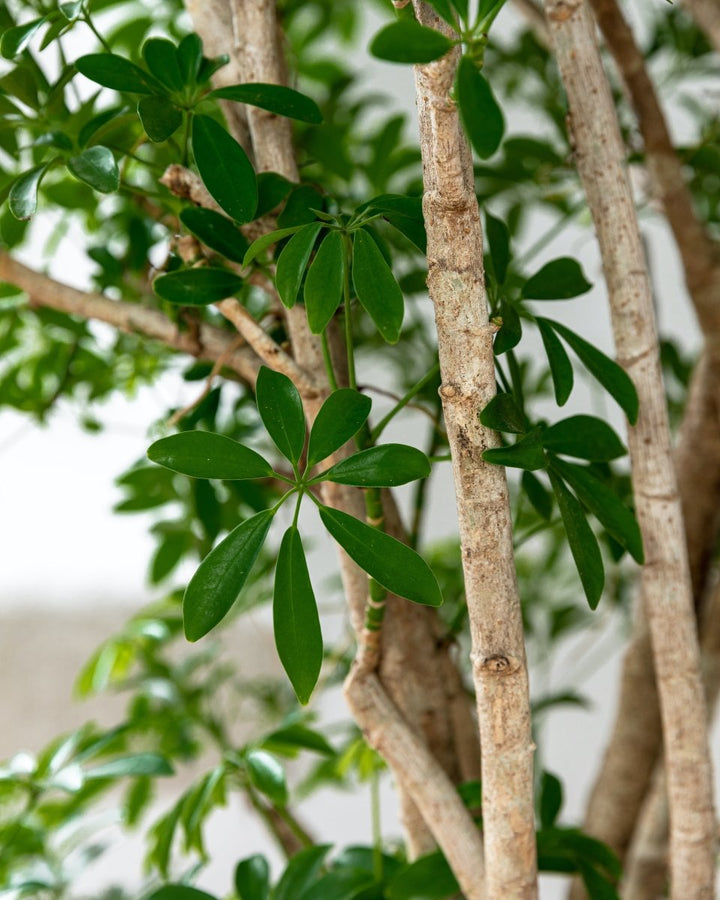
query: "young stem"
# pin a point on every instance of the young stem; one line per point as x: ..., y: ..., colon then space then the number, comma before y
x: 403, y: 402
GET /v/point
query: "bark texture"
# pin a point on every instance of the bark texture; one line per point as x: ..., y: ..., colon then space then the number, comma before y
x: 665, y: 575
x: 456, y: 286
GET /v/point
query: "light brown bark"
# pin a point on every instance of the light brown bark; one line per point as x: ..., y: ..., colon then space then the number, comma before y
x: 665, y: 575
x: 456, y: 287
x: 707, y: 15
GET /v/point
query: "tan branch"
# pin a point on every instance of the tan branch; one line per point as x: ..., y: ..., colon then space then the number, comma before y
x: 208, y: 342
x: 455, y: 283
x: 665, y: 575
x: 707, y: 15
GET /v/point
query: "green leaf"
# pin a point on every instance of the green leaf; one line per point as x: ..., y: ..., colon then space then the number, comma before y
x: 118, y: 73
x: 479, y: 110
x: 444, y: 9
x: 611, y: 376
x: 406, y: 41
x: 300, y: 207
x: 429, y: 877
x: 581, y: 538
x: 295, y: 617
x: 585, y: 437
x: 499, y: 239
x: 96, y: 166
x: 340, y: 418
x: 393, y: 565
x: 204, y: 454
x: 344, y: 884
x: 597, y: 885
x: 272, y: 190
x: 267, y: 240
x: 291, y: 738
x: 560, y: 279
x: 404, y: 214
x: 551, y: 799
x: 224, y: 168
x: 215, y: 586
x: 561, y: 368
x: 511, y: 330
x: 267, y: 775
x: 23, y: 195
x: 605, y: 505
x: 388, y: 465
x: 281, y: 410
x: 132, y: 765
x: 503, y: 414
x: 252, y: 878
x: 324, y: 282
x: 190, y: 57
x: 527, y: 453
x: 161, y: 58
x: 16, y: 39
x: 197, y: 287
x: 179, y: 892
x: 283, y: 101
x: 216, y: 231
x: 376, y: 287
x: 300, y: 873
x: 71, y: 9
x: 160, y: 118
x: 292, y: 262
x: 537, y: 494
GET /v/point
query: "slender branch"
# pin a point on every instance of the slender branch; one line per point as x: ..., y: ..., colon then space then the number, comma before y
x: 455, y: 283
x: 665, y: 576
x: 208, y: 342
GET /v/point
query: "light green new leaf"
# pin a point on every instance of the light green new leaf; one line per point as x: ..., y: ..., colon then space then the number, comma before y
x: 159, y: 116
x: 96, y: 166
x: 581, y: 538
x: 388, y: 465
x: 267, y: 775
x: 376, y: 287
x: 407, y: 41
x: 267, y: 240
x: 292, y: 262
x: 527, y: 453
x: 298, y: 637
x: 252, y: 878
x: 503, y: 414
x: 276, y: 98
x: 118, y: 73
x: 23, y: 195
x: 585, y: 437
x: 133, y: 765
x: 324, y: 282
x: 561, y: 369
x: 396, y: 567
x: 197, y: 287
x: 215, y: 586
x: 224, y: 168
x: 204, y: 454
x: 340, y: 418
x: 216, y: 231
x: 479, y: 110
x: 560, y: 279
x: 281, y: 410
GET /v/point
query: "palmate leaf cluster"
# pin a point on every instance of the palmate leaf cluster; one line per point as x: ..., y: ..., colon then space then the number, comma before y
x: 348, y: 247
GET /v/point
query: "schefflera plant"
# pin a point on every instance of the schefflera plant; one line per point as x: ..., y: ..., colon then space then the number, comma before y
x: 216, y: 584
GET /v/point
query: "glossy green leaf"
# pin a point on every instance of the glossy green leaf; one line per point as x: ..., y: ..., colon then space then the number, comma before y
x: 272, y: 190
x: 197, y: 287
x: 581, y: 538
x: 300, y: 872
x: 267, y: 775
x: 376, y: 287
x: 118, y: 73
x: 300, y: 207
x: 204, y: 454
x: 407, y: 41
x: 96, y: 166
x: 598, y: 887
x: 276, y: 98
x: 252, y: 878
x: 479, y: 110
x: 340, y: 418
x: 132, y: 765
x: 503, y: 414
x: 404, y: 214
x: 23, y: 195
x: 216, y: 231
x: 551, y: 799
x: 159, y: 116
x: 295, y: 617
x: 324, y: 282
x: 429, y: 877
x: 224, y: 168
x: 179, y: 892
x: 395, y: 566
x: 560, y: 279
x: 387, y: 465
x: 611, y: 376
x: 617, y: 519
x: 215, y: 586
x: 585, y: 437
x: 161, y: 58
x: 498, y: 238
x: 561, y: 369
x: 17, y: 38
x: 527, y: 453
x: 71, y: 9
x: 292, y: 262
x: 190, y: 57
x: 537, y: 494
x: 267, y: 240
x: 291, y: 738
x: 281, y: 410
x: 511, y: 330
x: 344, y: 884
